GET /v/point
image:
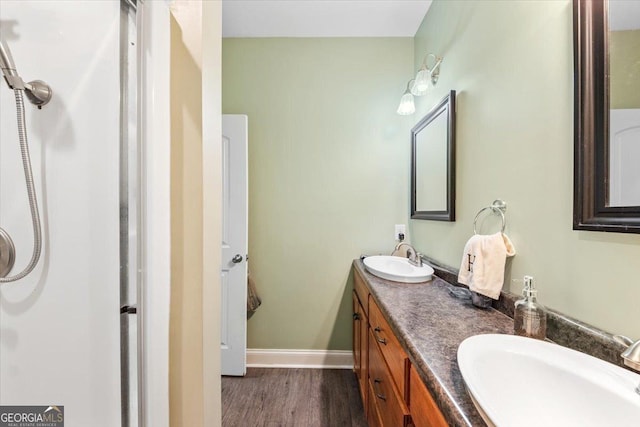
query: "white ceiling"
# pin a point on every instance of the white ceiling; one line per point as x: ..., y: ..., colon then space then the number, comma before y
x: 322, y: 18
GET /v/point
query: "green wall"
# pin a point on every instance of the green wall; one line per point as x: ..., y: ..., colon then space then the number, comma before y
x: 624, y: 66
x: 329, y: 165
x: 511, y: 64
x: 328, y: 174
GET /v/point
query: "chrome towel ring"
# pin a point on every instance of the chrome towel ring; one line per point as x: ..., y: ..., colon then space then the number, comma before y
x: 499, y: 206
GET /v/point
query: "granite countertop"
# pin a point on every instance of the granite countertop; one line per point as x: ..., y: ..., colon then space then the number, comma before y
x: 430, y: 324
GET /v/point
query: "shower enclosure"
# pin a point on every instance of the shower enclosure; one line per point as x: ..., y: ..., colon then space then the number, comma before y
x: 71, y: 331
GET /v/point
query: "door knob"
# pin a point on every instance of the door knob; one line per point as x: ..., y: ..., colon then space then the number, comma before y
x: 236, y: 259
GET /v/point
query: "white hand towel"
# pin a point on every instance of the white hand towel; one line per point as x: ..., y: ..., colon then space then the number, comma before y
x: 483, y: 261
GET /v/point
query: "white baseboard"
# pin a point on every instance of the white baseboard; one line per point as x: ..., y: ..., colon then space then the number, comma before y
x: 318, y: 359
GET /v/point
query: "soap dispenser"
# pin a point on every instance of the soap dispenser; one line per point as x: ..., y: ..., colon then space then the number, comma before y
x: 530, y: 318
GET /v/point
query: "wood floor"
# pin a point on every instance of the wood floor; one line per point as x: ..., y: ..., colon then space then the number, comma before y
x: 292, y: 398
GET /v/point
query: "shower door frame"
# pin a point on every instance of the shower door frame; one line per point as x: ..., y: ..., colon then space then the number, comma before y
x: 131, y: 216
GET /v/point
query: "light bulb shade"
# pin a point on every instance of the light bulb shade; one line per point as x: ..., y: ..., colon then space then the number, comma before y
x: 416, y: 92
x: 421, y: 85
x: 406, y: 106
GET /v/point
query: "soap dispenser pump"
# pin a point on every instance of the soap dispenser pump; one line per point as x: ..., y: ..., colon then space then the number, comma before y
x: 530, y: 318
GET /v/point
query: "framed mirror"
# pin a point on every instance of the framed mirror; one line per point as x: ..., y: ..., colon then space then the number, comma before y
x: 433, y: 190
x: 606, y: 116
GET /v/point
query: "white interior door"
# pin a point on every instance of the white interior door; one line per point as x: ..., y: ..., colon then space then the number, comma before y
x: 234, y: 244
x: 624, y: 157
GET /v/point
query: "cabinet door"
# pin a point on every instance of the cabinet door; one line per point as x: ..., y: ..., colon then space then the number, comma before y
x: 364, y: 355
x: 362, y: 290
x: 424, y: 411
x: 360, y: 324
x: 357, y: 321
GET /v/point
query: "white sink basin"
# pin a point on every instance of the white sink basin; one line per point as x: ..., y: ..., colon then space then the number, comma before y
x: 397, y: 269
x: 516, y: 381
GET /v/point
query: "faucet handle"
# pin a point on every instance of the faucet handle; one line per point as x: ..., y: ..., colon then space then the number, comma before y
x: 631, y: 355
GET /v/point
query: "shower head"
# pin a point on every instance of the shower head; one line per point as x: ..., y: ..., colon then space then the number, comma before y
x: 6, y: 60
x: 9, y: 67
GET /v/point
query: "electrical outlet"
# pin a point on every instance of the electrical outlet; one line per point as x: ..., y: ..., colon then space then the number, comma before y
x: 400, y: 229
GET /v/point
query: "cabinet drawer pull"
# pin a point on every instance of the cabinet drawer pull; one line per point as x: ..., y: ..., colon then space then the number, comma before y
x: 378, y: 395
x: 380, y: 340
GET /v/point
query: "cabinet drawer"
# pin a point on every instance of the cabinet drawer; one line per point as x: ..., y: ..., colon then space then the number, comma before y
x: 373, y: 415
x: 361, y: 290
x: 386, y: 398
x: 389, y: 345
x: 424, y: 411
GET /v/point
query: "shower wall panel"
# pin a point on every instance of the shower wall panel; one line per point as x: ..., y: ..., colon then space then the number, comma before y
x: 59, y: 327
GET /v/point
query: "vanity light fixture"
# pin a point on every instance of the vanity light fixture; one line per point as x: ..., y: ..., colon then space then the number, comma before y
x: 425, y: 78
x: 407, y: 106
x: 426, y: 75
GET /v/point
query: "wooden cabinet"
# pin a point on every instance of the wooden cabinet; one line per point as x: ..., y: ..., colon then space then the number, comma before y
x: 362, y: 291
x: 424, y: 411
x: 392, y: 393
x: 360, y: 335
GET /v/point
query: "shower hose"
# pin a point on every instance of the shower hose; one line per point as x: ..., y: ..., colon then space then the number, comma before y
x: 31, y: 192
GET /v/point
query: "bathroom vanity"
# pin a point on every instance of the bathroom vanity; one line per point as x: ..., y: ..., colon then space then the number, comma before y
x: 383, y: 368
x: 405, y: 339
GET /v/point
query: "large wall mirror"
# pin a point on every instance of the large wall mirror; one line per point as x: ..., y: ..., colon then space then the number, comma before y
x: 607, y: 115
x: 433, y: 163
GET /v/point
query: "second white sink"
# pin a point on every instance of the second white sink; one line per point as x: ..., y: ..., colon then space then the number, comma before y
x: 516, y: 381
x: 397, y: 269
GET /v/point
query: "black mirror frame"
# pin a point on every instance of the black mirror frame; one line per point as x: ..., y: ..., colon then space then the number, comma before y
x: 446, y: 105
x: 591, y: 125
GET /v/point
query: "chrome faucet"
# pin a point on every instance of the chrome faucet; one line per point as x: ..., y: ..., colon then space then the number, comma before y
x: 631, y: 355
x: 414, y: 257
